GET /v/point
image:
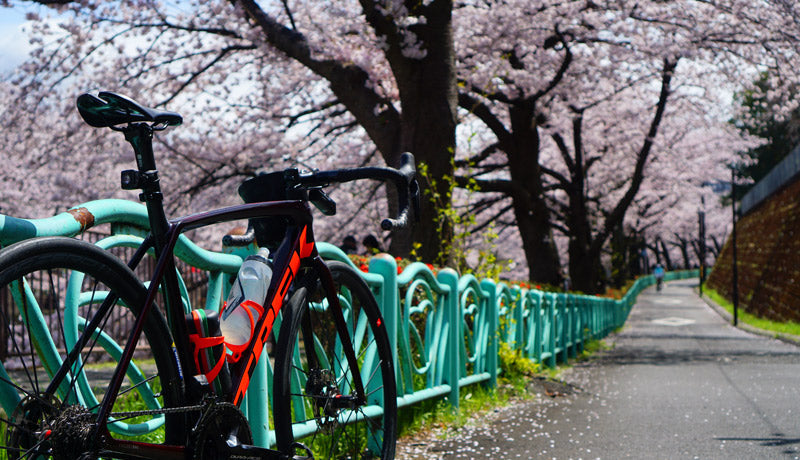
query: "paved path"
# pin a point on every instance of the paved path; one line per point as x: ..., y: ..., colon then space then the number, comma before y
x: 677, y: 383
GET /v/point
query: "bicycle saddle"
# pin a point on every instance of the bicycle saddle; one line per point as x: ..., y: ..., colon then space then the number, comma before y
x: 111, y: 109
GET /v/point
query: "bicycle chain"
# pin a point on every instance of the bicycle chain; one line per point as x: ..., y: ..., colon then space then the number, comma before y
x: 164, y: 410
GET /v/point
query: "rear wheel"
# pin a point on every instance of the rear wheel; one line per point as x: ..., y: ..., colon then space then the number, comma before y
x: 50, y: 289
x: 317, y: 404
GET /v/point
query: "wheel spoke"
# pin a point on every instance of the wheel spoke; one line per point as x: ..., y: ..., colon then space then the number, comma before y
x: 329, y: 387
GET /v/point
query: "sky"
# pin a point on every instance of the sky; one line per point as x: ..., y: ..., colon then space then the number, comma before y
x: 14, y: 44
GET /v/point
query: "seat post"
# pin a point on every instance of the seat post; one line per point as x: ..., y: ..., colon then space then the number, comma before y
x: 140, y: 136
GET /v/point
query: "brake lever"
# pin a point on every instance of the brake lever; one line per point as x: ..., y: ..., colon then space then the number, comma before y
x: 322, y: 201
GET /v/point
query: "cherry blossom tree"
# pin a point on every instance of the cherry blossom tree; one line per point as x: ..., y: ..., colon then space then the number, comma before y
x: 586, y: 100
x: 574, y: 117
x: 385, y: 68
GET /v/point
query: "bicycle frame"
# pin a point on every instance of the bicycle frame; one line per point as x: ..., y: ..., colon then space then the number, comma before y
x: 296, y: 256
x: 296, y: 253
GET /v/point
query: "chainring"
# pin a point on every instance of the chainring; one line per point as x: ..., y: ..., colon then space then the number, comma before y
x: 221, y: 422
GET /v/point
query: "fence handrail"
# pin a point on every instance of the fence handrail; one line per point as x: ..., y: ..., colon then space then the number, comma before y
x: 78, y: 219
x: 445, y: 329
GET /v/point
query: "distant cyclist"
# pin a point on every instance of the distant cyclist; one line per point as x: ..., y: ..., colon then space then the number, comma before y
x: 658, y: 272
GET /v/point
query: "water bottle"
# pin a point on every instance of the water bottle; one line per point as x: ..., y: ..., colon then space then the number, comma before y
x: 246, y: 300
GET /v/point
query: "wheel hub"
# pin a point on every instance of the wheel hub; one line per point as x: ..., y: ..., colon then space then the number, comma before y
x: 321, y: 386
x: 40, y: 427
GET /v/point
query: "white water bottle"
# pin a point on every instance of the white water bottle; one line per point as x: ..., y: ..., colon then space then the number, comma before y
x: 239, y: 317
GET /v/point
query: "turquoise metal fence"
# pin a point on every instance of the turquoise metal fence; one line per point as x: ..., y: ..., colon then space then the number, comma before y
x: 445, y: 329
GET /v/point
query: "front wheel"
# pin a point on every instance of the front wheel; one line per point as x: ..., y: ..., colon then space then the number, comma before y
x: 317, y: 403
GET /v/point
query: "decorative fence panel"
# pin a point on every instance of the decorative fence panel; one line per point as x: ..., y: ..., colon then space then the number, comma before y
x: 449, y: 327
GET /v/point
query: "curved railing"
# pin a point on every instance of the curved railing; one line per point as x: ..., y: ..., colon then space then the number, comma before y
x: 445, y: 329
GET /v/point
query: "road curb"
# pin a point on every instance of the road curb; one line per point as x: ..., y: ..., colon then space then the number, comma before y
x: 783, y: 337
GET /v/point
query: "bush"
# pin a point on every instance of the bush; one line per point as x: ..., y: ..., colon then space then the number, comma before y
x: 514, y: 365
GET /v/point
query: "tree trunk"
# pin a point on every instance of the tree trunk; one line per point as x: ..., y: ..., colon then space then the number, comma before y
x: 667, y: 259
x: 429, y: 101
x: 684, y: 247
x: 541, y: 254
x: 530, y: 209
x: 427, y: 86
x: 585, y: 269
x: 584, y: 246
x: 620, y: 255
x: 585, y: 266
x: 584, y: 256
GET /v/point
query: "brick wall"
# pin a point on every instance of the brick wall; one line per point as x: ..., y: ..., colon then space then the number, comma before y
x: 768, y: 251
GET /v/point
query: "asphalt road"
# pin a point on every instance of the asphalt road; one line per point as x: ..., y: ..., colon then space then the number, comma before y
x: 677, y: 382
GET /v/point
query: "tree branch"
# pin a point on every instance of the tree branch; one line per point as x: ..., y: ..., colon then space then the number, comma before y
x: 562, y: 70
x: 482, y: 111
x: 490, y: 185
x: 563, y: 150
x: 618, y: 213
x: 484, y: 154
x: 492, y: 219
x: 347, y: 81
x: 224, y: 52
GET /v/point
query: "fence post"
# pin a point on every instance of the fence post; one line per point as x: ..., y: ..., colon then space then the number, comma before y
x: 388, y: 302
x: 536, y: 313
x: 490, y: 290
x: 517, y: 304
x: 575, y: 304
x: 258, y: 402
x: 551, y: 318
x: 566, y: 325
x: 580, y: 304
x: 449, y: 278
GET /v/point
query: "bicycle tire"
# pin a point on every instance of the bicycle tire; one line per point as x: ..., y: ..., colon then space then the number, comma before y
x: 66, y: 279
x: 304, y: 397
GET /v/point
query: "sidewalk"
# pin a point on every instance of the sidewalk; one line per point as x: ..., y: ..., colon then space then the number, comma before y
x: 677, y: 382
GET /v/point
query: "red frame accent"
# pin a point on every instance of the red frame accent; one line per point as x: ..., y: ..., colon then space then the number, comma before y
x: 303, y: 249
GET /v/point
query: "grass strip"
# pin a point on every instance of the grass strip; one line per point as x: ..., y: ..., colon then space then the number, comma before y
x: 778, y: 327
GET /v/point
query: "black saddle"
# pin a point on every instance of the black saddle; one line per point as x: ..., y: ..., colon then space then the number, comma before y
x: 110, y: 109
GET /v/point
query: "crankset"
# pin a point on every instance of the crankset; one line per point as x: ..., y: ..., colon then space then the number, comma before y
x: 223, y: 433
x: 221, y: 427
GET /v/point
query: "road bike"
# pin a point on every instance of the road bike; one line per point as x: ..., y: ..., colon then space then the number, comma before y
x: 171, y: 393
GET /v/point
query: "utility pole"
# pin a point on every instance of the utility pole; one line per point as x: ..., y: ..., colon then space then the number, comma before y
x: 701, y: 223
x: 733, y: 241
